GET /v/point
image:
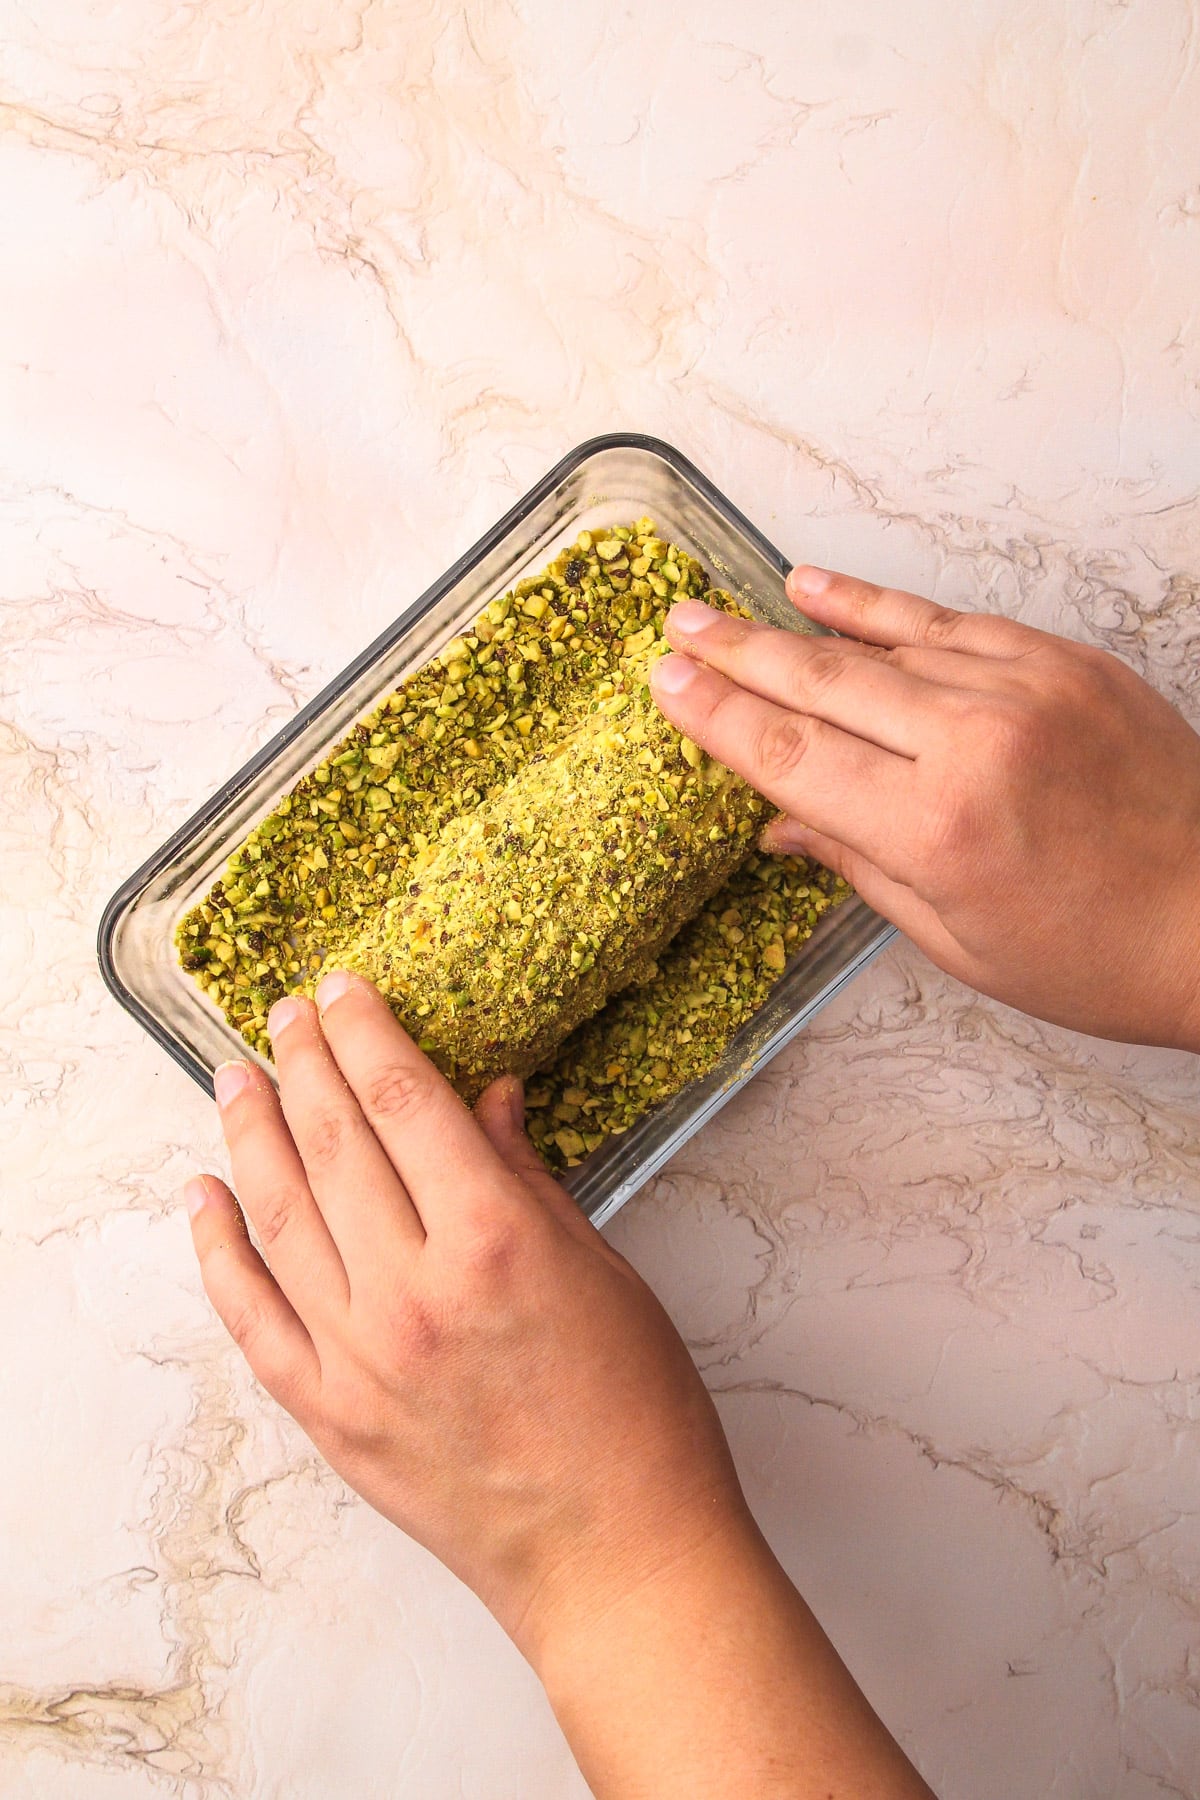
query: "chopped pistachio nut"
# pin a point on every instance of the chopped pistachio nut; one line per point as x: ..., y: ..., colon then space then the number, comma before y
x: 547, y: 686
x: 650, y: 1041
x: 515, y: 918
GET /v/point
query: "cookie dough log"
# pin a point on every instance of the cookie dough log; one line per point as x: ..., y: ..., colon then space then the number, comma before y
x: 557, y: 891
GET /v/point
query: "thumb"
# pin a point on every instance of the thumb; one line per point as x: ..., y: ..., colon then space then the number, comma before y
x: 500, y: 1110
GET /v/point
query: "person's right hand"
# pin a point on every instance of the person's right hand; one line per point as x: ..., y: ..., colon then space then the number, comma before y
x: 1027, y: 809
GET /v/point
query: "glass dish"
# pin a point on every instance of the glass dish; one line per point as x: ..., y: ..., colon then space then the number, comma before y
x: 606, y: 480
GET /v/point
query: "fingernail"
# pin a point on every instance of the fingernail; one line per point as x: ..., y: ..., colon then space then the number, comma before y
x: 692, y: 616
x: 673, y: 674
x: 229, y: 1080
x: 809, y: 580
x: 782, y: 837
x: 335, y: 984
x: 283, y: 1014
x: 195, y: 1193
x: 515, y: 1101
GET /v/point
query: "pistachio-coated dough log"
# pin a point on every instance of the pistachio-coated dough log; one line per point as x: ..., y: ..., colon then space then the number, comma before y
x: 557, y: 891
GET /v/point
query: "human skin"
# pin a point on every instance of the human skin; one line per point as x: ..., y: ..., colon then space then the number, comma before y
x: 469, y: 1354
x: 1026, y: 809
x: 490, y: 1375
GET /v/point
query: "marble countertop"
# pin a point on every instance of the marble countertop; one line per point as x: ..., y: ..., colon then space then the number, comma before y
x: 298, y: 297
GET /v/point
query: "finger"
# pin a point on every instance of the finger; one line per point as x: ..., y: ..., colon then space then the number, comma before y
x: 889, y: 616
x: 893, y: 899
x: 833, y: 780
x: 945, y: 668
x: 439, y: 1151
x: 270, y: 1177
x: 851, y: 685
x: 247, y: 1300
x: 500, y: 1111
x: 956, y: 670
x: 362, y: 1199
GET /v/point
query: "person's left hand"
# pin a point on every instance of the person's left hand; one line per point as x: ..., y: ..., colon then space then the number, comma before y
x: 468, y: 1352
x: 455, y: 1337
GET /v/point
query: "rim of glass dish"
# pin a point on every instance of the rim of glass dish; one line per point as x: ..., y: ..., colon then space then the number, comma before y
x: 132, y: 887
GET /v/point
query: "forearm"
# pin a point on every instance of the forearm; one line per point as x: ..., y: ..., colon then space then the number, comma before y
x: 714, y: 1679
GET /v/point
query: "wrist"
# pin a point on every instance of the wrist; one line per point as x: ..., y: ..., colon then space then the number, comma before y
x: 639, y: 1670
x: 710, y: 1676
x: 592, y: 1586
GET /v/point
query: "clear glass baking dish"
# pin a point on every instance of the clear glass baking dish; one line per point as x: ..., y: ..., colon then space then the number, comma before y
x: 607, y: 479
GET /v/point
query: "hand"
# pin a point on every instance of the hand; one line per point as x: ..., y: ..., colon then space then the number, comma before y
x: 1025, y: 808
x: 468, y: 1353
x: 457, y: 1340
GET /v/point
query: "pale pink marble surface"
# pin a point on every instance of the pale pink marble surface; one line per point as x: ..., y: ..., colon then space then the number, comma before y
x: 297, y: 297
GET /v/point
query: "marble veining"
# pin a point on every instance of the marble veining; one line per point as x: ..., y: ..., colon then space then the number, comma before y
x: 298, y: 298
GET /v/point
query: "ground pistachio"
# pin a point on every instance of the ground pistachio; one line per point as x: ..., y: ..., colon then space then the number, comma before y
x: 567, y: 657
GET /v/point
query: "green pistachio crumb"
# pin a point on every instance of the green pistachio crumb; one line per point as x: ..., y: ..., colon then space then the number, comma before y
x: 538, y: 710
